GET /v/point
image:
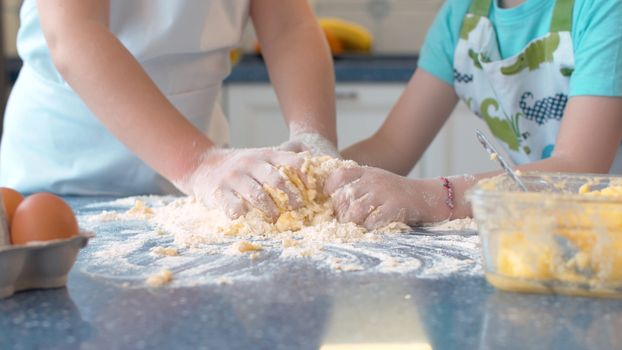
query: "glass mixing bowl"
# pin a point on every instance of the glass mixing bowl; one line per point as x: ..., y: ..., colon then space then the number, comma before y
x: 562, y: 236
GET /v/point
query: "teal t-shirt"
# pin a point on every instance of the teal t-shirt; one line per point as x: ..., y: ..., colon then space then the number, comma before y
x: 596, y: 36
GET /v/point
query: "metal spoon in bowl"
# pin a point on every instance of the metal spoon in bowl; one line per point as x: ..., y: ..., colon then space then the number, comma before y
x: 494, y: 155
x: 568, y: 249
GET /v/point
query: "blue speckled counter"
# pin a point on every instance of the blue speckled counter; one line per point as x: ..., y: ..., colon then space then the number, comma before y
x: 348, y: 69
x: 301, y: 307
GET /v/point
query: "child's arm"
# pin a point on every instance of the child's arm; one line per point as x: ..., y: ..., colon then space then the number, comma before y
x: 299, y: 63
x: 118, y: 91
x: 115, y: 87
x: 588, y: 141
x: 412, y: 124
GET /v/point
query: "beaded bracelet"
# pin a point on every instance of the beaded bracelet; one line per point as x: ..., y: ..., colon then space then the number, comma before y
x: 450, y: 195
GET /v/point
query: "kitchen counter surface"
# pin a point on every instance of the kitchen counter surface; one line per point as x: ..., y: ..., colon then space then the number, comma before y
x: 348, y: 69
x: 302, y: 307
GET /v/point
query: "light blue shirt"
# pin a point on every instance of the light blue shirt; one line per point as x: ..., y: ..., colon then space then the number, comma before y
x: 596, y: 36
x: 52, y: 142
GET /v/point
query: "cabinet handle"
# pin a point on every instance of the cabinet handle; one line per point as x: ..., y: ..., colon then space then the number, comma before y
x: 346, y: 95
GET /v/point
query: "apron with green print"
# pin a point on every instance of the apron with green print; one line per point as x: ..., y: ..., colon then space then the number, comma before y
x: 521, y: 98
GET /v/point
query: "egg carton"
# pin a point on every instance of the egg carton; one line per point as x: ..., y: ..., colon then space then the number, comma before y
x: 38, y: 265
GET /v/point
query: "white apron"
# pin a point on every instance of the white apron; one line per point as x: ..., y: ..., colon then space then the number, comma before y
x: 522, y: 99
x: 52, y: 142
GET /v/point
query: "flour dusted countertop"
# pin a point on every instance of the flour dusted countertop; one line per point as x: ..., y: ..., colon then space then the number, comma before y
x: 265, y: 303
x: 142, y: 238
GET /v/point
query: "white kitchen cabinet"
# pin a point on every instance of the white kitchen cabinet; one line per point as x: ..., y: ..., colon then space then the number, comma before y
x: 256, y: 121
x: 465, y: 155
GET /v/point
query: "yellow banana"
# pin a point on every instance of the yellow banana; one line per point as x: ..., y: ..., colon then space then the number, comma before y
x: 352, y: 36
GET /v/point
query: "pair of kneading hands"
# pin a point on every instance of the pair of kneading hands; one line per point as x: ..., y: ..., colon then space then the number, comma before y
x: 233, y: 180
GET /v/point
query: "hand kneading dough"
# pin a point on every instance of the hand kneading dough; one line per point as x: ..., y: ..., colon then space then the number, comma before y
x: 193, y: 224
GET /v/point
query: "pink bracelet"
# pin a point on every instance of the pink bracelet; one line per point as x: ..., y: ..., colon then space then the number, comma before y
x: 450, y: 195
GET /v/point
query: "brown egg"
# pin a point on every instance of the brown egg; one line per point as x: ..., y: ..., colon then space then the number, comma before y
x: 43, y: 217
x: 11, y: 199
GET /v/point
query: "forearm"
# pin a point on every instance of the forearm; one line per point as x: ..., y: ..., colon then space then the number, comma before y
x: 558, y: 163
x: 374, y: 197
x: 118, y: 91
x: 301, y: 71
x: 410, y: 127
x: 576, y: 148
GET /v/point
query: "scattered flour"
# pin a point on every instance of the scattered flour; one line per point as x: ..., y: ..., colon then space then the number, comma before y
x: 130, y: 252
x: 180, y: 236
x: 342, y: 264
x: 104, y: 216
x: 137, y: 212
x: 455, y: 225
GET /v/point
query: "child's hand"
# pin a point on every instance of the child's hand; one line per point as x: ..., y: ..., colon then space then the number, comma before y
x: 374, y: 198
x: 233, y: 180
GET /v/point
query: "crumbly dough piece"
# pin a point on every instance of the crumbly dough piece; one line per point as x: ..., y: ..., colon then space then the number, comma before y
x: 241, y: 247
x: 161, y: 278
x: 140, y: 210
x: 165, y: 251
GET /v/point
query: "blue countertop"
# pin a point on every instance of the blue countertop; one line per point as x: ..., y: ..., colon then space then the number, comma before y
x: 302, y: 307
x: 348, y: 68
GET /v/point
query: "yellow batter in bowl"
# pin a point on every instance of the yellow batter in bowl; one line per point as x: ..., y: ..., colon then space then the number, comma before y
x: 564, y: 237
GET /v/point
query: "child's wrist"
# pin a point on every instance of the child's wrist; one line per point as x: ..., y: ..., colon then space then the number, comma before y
x: 434, y: 198
x: 297, y: 130
x: 315, y: 143
x: 191, y: 162
x: 426, y: 201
